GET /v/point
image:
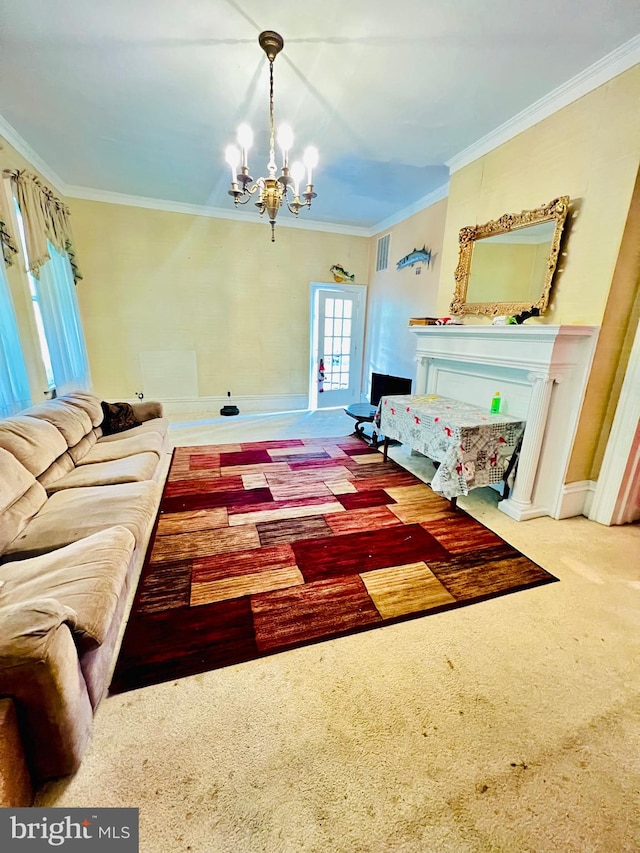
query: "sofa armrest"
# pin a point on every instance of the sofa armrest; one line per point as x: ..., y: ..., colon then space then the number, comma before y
x: 147, y: 411
x: 40, y: 671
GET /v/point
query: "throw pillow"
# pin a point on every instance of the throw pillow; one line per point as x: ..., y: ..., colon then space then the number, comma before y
x: 118, y: 417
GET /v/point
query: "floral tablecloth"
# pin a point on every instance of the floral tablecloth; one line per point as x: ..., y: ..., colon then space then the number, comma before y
x: 472, y: 445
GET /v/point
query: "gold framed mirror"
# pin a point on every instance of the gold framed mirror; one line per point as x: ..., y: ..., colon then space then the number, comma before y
x: 506, y: 266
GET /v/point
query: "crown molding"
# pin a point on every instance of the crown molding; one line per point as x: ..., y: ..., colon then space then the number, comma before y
x: 426, y: 201
x: 605, y: 69
x: 109, y: 197
x: 14, y: 139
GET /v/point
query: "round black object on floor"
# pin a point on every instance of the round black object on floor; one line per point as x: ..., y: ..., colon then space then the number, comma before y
x: 229, y: 410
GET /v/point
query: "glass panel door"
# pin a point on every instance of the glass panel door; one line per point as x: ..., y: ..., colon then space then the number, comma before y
x: 338, y: 357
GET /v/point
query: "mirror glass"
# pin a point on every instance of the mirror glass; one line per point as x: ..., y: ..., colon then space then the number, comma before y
x: 506, y: 266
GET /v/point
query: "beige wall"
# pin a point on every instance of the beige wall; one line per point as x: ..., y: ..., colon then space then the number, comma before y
x: 163, y: 281
x: 396, y: 295
x: 590, y: 151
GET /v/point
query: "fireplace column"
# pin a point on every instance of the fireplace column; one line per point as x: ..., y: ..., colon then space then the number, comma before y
x: 421, y: 374
x: 519, y: 505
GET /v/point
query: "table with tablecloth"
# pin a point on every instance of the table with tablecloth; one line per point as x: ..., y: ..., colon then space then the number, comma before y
x: 473, y: 446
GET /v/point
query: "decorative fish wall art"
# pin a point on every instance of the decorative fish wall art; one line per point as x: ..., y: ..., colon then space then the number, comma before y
x: 339, y: 273
x: 418, y: 256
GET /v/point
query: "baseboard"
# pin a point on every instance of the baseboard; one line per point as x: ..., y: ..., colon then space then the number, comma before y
x: 575, y: 499
x: 521, y: 513
x: 588, y: 501
x: 248, y: 405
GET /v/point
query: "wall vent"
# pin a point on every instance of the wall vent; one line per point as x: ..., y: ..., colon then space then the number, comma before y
x: 382, y: 257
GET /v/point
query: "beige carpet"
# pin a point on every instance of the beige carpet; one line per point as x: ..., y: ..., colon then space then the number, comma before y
x: 510, y: 726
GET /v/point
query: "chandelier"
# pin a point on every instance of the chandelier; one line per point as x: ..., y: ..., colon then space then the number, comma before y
x: 273, y: 190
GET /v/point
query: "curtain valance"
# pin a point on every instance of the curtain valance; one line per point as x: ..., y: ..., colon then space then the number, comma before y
x: 45, y: 217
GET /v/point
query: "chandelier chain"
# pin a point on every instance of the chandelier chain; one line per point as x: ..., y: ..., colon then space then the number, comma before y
x: 272, y: 140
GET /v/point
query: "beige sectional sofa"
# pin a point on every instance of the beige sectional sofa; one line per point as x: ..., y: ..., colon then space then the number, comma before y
x: 76, y: 511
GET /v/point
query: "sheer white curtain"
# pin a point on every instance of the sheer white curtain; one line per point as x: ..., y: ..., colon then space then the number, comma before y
x: 56, y: 293
x: 14, y: 385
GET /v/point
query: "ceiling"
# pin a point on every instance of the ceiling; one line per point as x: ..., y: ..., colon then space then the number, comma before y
x: 141, y: 97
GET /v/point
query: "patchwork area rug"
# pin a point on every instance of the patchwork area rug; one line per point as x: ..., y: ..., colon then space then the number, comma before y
x: 260, y: 547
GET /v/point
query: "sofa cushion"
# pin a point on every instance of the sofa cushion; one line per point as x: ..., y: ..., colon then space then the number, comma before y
x: 118, y: 417
x: 27, y: 630
x: 62, y: 466
x: 75, y: 513
x: 15, y: 480
x: 149, y: 442
x: 159, y: 425
x: 21, y: 496
x: 35, y: 443
x: 80, y: 450
x: 86, y: 577
x: 86, y: 401
x: 73, y: 422
x: 131, y: 469
x: 148, y: 410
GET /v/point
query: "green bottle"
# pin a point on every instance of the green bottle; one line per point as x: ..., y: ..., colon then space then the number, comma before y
x: 496, y: 403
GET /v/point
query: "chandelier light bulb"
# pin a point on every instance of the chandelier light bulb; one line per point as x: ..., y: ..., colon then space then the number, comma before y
x: 285, y: 141
x: 232, y: 156
x: 297, y: 173
x: 245, y: 141
x: 245, y: 136
x: 310, y: 160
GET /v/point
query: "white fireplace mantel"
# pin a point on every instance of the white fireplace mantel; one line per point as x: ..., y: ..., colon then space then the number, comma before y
x: 541, y: 373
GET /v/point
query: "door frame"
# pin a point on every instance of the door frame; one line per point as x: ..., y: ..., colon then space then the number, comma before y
x: 357, y: 328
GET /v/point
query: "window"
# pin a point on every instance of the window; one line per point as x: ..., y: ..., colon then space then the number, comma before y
x: 382, y: 257
x: 57, y: 317
x: 337, y: 343
x: 42, y: 338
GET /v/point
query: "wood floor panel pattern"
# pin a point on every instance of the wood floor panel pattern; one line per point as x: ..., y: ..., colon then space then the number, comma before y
x: 288, y: 530
x: 405, y: 589
x: 205, y: 461
x: 342, y: 487
x: 285, y: 512
x: 304, y: 613
x: 186, y: 522
x: 202, y: 485
x: 420, y: 511
x: 299, y: 490
x: 359, y: 520
x: 202, y: 543
x: 254, y: 481
x: 228, y: 588
x: 364, y: 499
x: 288, y: 503
x: 297, y: 454
x: 263, y: 546
x: 219, y: 566
x: 271, y: 468
x: 168, y: 587
x: 460, y: 533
